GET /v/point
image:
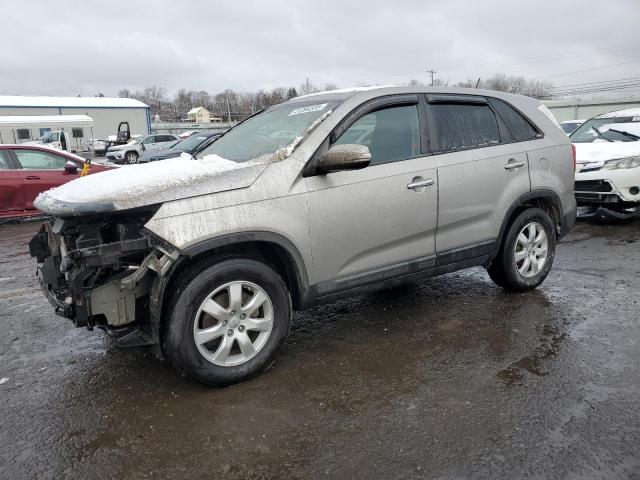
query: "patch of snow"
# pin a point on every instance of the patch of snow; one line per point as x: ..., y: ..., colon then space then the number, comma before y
x: 140, y: 184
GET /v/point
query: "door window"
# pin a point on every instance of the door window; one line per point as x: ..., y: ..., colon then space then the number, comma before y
x: 391, y: 134
x: 462, y: 126
x: 4, y: 163
x: 36, y: 160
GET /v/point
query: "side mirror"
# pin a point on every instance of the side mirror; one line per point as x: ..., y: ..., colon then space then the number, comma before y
x: 71, y: 168
x: 344, y: 157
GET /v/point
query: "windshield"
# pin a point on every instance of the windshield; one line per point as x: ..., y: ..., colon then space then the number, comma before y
x: 612, y: 129
x: 269, y: 131
x: 190, y: 143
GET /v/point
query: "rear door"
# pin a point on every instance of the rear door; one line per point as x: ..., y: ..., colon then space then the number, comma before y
x: 39, y: 171
x: 481, y: 172
x: 11, y: 186
x: 371, y: 224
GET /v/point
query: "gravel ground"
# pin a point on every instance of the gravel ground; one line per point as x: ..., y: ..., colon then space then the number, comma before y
x: 451, y: 378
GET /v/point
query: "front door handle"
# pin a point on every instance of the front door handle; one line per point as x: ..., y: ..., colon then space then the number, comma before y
x: 33, y: 177
x: 417, y: 184
x: 513, y: 163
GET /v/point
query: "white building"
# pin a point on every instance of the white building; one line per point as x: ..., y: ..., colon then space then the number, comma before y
x: 199, y: 115
x: 574, y: 109
x: 106, y: 113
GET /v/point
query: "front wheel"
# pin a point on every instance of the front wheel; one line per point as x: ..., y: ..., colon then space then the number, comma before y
x: 526, y: 255
x: 227, y: 321
x: 131, y: 158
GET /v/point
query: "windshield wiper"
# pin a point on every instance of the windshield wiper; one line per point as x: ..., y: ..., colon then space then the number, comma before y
x: 625, y: 133
x: 601, y: 135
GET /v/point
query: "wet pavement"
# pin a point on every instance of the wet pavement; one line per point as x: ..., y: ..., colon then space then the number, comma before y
x: 451, y: 378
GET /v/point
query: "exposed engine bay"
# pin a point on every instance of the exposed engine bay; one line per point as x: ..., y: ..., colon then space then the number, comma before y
x: 99, y: 271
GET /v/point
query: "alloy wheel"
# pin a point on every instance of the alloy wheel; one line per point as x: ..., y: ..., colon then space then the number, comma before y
x: 233, y: 323
x: 531, y: 250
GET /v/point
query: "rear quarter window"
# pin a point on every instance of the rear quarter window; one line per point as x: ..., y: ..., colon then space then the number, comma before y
x: 520, y: 128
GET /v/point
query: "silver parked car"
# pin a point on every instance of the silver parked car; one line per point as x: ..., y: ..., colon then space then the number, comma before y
x: 324, y: 196
x: 131, y: 151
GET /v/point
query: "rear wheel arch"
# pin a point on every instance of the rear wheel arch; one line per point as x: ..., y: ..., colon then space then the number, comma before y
x: 546, y: 200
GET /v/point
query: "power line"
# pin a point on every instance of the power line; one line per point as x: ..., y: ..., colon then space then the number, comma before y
x: 595, y: 83
x: 588, y: 69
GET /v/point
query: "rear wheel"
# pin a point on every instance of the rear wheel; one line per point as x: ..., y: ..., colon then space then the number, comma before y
x: 227, y: 321
x: 131, y: 158
x: 526, y: 255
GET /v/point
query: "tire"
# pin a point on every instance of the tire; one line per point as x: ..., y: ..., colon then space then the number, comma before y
x: 204, y: 360
x: 516, y: 275
x: 130, y: 158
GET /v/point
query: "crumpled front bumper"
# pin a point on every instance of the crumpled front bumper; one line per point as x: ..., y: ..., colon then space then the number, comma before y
x: 607, y: 186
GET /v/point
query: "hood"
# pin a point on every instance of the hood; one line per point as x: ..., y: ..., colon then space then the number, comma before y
x: 600, y: 151
x: 148, y: 184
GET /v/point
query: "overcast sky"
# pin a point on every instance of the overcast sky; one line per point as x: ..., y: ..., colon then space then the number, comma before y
x: 85, y: 47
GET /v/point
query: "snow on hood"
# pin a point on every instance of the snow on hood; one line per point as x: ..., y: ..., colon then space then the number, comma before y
x: 601, y: 151
x: 148, y: 184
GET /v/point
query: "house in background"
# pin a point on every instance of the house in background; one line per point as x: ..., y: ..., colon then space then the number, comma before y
x: 199, y: 115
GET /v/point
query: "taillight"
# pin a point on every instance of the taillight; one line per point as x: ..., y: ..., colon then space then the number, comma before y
x: 573, y: 150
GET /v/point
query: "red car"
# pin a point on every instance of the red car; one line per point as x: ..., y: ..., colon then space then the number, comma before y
x: 27, y: 170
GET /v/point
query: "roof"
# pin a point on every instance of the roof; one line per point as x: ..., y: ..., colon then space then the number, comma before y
x: 366, y: 93
x: 196, y: 110
x: 81, y: 102
x: 44, y: 119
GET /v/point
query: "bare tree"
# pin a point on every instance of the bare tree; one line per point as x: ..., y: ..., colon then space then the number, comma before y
x: 518, y: 84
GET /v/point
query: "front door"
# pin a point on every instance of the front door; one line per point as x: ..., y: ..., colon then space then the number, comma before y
x: 40, y: 171
x: 379, y: 222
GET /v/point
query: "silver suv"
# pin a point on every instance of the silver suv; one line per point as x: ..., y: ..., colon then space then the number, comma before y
x: 324, y: 196
x: 129, y: 152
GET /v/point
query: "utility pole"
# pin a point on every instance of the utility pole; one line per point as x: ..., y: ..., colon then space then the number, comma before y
x: 308, y: 86
x: 228, y: 109
x: 432, y: 72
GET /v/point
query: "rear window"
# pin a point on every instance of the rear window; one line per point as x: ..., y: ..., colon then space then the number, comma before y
x: 462, y: 126
x: 521, y: 129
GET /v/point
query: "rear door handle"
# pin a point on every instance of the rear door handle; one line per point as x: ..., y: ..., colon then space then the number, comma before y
x: 421, y: 184
x: 513, y: 163
x: 33, y: 177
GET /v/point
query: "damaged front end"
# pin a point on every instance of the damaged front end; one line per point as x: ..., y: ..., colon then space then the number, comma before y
x: 99, y: 271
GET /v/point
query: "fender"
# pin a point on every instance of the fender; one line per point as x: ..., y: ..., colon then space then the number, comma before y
x: 532, y: 195
x: 304, y: 297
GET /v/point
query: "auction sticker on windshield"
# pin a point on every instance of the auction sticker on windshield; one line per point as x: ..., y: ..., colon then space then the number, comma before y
x: 310, y: 108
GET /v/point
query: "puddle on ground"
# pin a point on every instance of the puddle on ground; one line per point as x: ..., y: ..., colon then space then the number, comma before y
x: 550, y: 341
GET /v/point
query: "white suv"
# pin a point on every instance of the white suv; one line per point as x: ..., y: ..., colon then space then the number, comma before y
x: 608, y: 164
